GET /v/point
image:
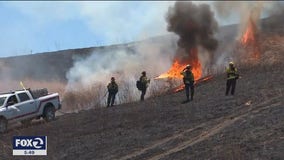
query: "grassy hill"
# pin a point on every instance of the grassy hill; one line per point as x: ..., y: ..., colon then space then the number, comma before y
x: 54, y: 65
x: 249, y: 125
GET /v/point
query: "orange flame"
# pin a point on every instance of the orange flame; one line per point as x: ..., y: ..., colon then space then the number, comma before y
x: 197, y: 82
x: 249, y: 35
x: 177, y: 67
x: 249, y: 38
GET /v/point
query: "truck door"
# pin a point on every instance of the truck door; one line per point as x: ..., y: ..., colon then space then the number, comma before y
x: 26, y: 105
x: 11, y: 108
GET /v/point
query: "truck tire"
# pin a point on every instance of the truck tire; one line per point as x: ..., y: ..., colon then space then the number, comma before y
x: 49, y: 114
x: 3, y: 125
x: 26, y: 122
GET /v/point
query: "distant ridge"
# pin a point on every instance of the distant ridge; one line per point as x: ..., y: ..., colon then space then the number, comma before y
x: 54, y: 65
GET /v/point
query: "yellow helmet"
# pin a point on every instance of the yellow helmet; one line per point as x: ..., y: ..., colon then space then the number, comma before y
x: 231, y: 63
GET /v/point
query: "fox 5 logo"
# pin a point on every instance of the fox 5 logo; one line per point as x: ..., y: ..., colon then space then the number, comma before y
x: 29, y: 142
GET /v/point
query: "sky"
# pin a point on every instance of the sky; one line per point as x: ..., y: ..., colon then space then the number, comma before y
x: 29, y: 27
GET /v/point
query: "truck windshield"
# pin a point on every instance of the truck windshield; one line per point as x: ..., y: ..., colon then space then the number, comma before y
x: 2, y: 100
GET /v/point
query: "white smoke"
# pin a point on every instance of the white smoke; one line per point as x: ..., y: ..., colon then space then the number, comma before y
x: 125, y: 63
x: 245, y: 11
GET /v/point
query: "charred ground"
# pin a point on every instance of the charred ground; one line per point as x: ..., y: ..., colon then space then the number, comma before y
x: 249, y: 125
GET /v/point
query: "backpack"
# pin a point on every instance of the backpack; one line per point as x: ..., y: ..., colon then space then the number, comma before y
x: 139, y: 85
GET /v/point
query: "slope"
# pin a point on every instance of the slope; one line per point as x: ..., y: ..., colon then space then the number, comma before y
x: 213, y: 126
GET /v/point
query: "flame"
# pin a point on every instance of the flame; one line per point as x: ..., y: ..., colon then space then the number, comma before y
x: 197, y: 82
x: 179, y: 88
x: 249, y: 38
x: 249, y: 35
x: 178, y: 66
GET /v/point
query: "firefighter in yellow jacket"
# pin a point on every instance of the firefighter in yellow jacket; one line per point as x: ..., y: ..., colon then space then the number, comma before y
x: 188, y: 80
x: 144, y: 85
x: 112, y: 91
x: 232, y: 77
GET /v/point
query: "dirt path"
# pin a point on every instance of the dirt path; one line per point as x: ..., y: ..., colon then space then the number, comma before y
x: 205, y: 134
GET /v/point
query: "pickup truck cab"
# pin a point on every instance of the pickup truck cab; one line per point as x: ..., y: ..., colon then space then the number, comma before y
x: 24, y: 106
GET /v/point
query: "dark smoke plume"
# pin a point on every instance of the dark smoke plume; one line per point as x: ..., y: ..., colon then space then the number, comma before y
x: 195, y: 25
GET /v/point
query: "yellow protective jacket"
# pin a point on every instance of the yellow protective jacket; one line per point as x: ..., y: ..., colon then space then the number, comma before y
x: 145, y: 81
x: 231, y: 73
x: 188, y: 77
x: 112, y: 87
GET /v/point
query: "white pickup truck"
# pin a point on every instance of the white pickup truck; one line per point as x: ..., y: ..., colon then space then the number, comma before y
x: 26, y: 105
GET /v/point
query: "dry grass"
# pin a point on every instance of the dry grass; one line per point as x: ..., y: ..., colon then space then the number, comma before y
x: 83, y: 97
x: 80, y: 97
x: 162, y: 86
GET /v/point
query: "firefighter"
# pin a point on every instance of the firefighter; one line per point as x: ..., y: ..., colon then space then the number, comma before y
x: 232, y: 77
x: 188, y: 80
x: 112, y: 91
x: 144, y: 84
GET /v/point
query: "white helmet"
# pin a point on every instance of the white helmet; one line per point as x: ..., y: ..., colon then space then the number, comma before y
x: 188, y: 66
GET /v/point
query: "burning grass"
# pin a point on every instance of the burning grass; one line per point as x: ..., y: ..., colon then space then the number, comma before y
x: 94, y: 95
x: 271, y: 47
x: 249, y: 39
x: 197, y: 82
x: 179, y: 64
x: 177, y: 67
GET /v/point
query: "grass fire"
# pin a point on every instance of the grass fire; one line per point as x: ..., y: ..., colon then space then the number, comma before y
x: 250, y: 38
x: 183, y: 80
x: 178, y: 66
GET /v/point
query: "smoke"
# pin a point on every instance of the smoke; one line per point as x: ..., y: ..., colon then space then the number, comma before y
x: 247, y: 11
x: 276, y: 8
x: 194, y: 24
x: 225, y: 9
x: 110, y: 21
x: 249, y: 14
x: 125, y: 63
x: 34, y: 72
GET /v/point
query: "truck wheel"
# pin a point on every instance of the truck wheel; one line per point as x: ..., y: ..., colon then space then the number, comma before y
x: 3, y: 125
x: 49, y: 114
x: 26, y: 122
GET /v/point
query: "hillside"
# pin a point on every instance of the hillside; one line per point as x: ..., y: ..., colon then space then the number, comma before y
x: 54, y: 65
x: 249, y: 125
x: 213, y: 126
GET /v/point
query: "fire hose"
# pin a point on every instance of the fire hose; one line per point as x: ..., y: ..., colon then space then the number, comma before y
x: 101, y: 98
